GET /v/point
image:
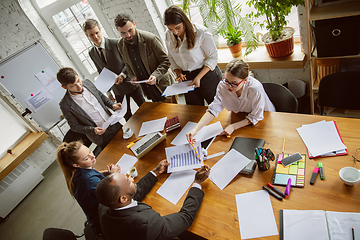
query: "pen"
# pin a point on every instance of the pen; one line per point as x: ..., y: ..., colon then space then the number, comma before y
x: 272, y: 193
x: 313, y: 176
x: 353, y: 233
x: 197, y: 153
x: 133, y: 142
x: 180, y: 77
x: 276, y: 190
x: 321, y: 171
x: 283, y: 149
x: 288, y: 187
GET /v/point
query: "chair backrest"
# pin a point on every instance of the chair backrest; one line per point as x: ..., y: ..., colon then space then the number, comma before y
x: 340, y: 90
x: 59, y: 234
x: 71, y: 136
x: 281, y: 97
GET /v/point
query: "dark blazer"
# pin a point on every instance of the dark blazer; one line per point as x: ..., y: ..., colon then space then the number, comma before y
x: 114, y: 64
x: 153, y: 56
x: 78, y: 119
x: 142, y: 222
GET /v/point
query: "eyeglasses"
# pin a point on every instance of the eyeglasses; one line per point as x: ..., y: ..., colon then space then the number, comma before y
x: 357, y: 155
x: 234, y: 85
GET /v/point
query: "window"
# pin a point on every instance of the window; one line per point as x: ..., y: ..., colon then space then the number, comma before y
x: 65, y: 19
x: 13, y: 129
x: 196, y: 17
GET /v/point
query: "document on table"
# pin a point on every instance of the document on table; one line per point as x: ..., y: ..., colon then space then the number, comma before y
x: 117, y: 115
x: 227, y: 168
x: 152, y: 126
x: 256, y: 215
x: 203, y: 134
x: 178, y: 88
x: 176, y: 185
x: 126, y: 162
x: 183, y: 157
x: 321, y: 138
x: 105, y: 80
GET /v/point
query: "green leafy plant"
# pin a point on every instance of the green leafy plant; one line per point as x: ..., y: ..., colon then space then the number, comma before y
x: 223, y: 18
x: 275, y: 12
x: 233, y: 36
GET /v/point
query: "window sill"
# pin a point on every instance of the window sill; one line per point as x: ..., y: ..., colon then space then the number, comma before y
x: 260, y: 59
x: 10, y: 161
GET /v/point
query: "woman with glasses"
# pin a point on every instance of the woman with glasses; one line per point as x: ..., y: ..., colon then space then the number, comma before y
x: 237, y: 92
x: 193, y: 55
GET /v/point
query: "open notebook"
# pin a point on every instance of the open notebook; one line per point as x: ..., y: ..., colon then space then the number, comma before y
x: 318, y: 224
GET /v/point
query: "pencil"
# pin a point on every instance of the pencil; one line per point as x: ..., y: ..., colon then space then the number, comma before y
x: 197, y: 153
x: 283, y: 149
x: 179, y: 77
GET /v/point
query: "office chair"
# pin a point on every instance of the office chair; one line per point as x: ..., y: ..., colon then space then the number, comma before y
x: 281, y: 97
x: 71, y: 136
x: 59, y: 234
x: 340, y: 90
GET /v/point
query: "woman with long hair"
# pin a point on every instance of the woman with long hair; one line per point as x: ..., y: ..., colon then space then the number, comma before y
x: 193, y: 55
x: 237, y: 92
x: 76, y: 162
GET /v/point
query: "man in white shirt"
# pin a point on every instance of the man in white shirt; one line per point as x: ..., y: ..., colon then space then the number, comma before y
x: 86, y: 108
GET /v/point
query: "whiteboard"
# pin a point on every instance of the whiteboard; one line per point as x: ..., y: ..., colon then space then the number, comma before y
x: 17, y: 75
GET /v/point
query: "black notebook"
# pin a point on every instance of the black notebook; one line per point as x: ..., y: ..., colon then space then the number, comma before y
x: 246, y: 146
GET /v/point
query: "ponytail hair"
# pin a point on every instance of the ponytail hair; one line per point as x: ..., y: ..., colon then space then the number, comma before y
x: 66, y: 157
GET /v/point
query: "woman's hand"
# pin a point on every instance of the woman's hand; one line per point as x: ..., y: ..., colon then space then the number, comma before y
x: 179, y: 76
x: 195, y: 82
x: 228, y: 130
x: 113, y: 168
x: 190, y: 135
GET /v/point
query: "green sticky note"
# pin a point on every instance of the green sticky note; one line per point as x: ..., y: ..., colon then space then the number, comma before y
x: 301, y: 164
x: 293, y: 169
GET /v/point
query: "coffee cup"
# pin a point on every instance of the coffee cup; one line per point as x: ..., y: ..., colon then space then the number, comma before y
x: 127, y: 133
x: 349, y: 175
x: 132, y: 172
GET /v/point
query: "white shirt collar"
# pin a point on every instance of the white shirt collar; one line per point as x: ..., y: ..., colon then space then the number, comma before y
x: 132, y: 204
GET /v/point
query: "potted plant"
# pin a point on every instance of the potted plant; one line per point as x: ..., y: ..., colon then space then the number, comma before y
x: 223, y: 17
x: 233, y: 40
x: 275, y: 12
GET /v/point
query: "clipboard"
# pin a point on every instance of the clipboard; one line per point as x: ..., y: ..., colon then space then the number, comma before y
x: 334, y: 153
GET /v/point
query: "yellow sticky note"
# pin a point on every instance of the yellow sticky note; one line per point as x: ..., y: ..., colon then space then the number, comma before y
x: 281, y: 169
x: 293, y: 169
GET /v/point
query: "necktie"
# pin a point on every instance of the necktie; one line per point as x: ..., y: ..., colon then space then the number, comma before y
x: 102, y: 55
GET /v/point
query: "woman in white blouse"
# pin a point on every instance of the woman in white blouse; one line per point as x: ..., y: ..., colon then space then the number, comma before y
x: 193, y: 55
x: 237, y: 92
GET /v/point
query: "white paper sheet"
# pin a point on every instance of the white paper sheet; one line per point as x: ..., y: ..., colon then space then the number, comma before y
x: 321, y: 138
x: 38, y: 99
x: 256, y: 215
x: 152, y: 126
x: 117, y: 115
x: 178, y: 88
x: 176, y: 185
x: 183, y: 157
x: 48, y: 78
x: 205, y: 133
x: 140, y: 81
x: 227, y: 168
x: 105, y: 80
x: 126, y: 162
x: 305, y: 224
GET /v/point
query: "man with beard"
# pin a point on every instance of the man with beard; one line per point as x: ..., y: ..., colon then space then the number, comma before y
x: 123, y: 216
x: 145, y: 57
x: 86, y: 108
x: 105, y: 53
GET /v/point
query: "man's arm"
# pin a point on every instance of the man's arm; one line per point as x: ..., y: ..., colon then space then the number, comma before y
x: 164, y: 63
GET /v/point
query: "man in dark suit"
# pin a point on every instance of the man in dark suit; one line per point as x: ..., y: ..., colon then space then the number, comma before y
x: 145, y: 58
x: 105, y: 54
x: 86, y: 108
x: 123, y: 216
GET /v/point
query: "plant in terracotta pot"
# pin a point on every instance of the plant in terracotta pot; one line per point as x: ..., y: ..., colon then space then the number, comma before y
x: 233, y: 40
x: 223, y: 17
x: 275, y: 12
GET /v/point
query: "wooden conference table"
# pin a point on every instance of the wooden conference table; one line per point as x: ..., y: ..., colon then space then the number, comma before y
x: 217, y: 217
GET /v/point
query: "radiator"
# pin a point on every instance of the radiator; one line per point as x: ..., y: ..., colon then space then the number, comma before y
x: 16, y: 186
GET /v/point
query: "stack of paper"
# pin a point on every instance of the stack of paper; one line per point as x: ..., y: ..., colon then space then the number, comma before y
x: 322, y: 139
x: 178, y: 88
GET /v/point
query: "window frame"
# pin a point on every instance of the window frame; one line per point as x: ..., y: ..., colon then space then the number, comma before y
x: 60, y: 5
